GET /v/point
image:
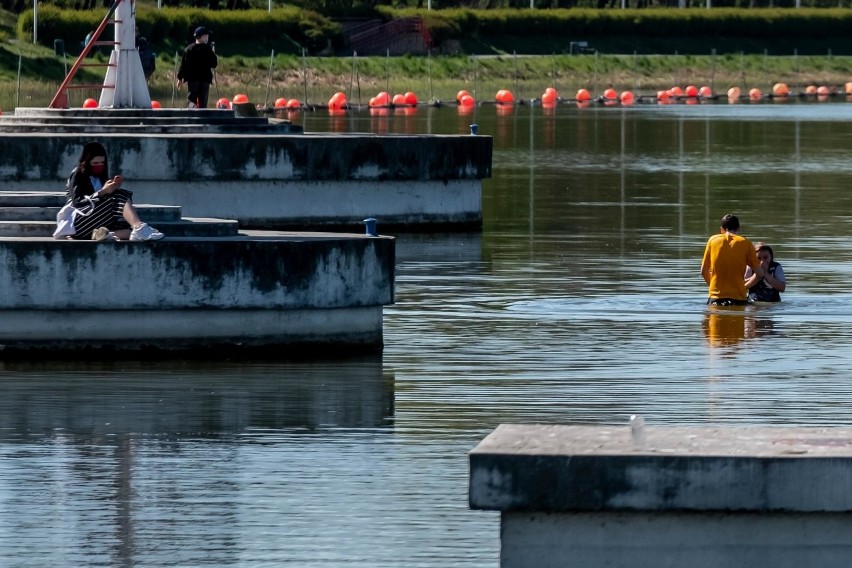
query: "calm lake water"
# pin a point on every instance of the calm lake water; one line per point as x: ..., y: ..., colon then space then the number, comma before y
x: 580, y: 302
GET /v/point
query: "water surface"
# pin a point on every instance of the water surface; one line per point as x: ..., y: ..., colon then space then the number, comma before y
x: 579, y: 302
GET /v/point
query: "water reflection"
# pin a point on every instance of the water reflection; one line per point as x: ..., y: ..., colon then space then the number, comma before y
x: 86, y: 400
x: 728, y: 327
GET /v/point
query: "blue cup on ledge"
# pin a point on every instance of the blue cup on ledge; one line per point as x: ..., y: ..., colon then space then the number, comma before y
x: 370, y: 226
x: 474, y: 128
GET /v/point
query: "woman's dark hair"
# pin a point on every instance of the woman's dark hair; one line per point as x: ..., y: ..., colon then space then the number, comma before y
x: 93, y: 150
x: 766, y: 248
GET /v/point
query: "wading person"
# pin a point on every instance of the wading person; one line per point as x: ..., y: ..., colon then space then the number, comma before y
x: 768, y: 288
x: 107, y: 211
x: 196, y: 69
x: 726, y: 257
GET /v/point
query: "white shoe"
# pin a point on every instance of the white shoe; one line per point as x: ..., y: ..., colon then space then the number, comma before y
x: 145, y: 232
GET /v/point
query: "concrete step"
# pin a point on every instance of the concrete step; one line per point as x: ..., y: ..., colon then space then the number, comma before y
x: 154, y: 213
x: 188, y: 227
x: 32, y: 199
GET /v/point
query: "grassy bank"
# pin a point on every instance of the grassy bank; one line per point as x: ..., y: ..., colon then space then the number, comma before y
x: 432, y: 78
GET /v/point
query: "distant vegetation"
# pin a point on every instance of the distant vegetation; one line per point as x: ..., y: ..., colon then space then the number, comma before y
x: 640, y: 50
x: 290, y: 29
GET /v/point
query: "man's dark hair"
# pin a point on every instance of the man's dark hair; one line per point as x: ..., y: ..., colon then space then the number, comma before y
x: 730, y: 223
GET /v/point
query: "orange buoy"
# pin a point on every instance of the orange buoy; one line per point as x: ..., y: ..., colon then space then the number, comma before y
x: 627, y: 98
x: 734, y: 93
x: 691, y: 91
x: 241, y: 98
x: 610, y: 94
x: 467, y: 101
x: 223, y: 103
x: 504, y: 96
x: 280, y: 102
x: 382, y: 99
x: 583, y: 95
x: 810, y: 90
x: 293, y: 104
x: 780, y: 89
x: 754, y: 93
x: 676, y: 91
x: 90, y: 103
x: 156, y: 104
x: 461, y: 94
x: 410, y: 98
x: 398, y: 100
x: 824, y: 91
x: 705, y: 92
x: 549, y: 97
x: 662, y: 96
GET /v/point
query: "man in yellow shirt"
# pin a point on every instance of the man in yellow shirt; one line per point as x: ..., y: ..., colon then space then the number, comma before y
x: 726, y: 257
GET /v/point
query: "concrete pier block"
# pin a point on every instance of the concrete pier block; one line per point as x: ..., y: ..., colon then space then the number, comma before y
x: 699, y: 497
x: 263, y: 179
x: 267, y: 290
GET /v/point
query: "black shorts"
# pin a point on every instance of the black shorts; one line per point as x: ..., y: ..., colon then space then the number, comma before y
x: 726, y: 302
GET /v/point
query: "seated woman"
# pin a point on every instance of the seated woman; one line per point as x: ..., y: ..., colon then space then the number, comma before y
x: 106, y: 209
x: 768, y: 288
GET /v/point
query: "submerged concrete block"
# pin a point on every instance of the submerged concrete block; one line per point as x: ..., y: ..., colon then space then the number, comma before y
x: 709, y: 497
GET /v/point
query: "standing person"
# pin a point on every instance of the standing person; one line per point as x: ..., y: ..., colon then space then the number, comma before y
x: 768, y: 288
x: 147, y: 57
x: 106, y: 207
x: 196, y: 68
x: 726, y: 257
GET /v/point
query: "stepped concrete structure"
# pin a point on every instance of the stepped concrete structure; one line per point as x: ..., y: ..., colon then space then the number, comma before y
x: 264, y: 172
x: 212, y: 285
x: 595, y: 496
x: 206, y: 287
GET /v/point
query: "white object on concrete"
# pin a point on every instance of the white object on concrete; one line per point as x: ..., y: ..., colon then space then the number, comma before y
x: 125, y: 67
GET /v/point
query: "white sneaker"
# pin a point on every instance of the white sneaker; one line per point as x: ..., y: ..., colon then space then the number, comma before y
x: 146, y: 232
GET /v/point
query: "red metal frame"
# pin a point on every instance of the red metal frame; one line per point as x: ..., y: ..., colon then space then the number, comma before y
x: 60, y: 100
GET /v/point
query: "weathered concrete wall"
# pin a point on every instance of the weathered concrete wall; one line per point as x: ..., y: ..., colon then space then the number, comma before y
x: 707, y: 497
x: 676, y: 540
x: 188, y: 293
x: 217, y: 157
x: 261, y: 178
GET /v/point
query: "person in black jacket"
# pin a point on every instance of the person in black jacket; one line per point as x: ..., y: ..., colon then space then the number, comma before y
x: 196, y: 69
x: 105, y: 209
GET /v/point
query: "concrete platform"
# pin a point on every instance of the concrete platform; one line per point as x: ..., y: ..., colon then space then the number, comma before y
x: 260, y: 173
x: 266, y: 291
x: 591, y: 496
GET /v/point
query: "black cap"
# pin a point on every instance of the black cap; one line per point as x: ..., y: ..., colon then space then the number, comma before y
x: 200, y: 31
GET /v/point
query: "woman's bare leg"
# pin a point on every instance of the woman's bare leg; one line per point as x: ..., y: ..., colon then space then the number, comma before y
x: 130, y: 215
